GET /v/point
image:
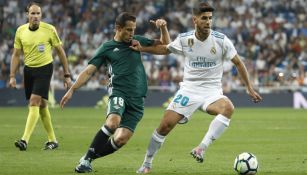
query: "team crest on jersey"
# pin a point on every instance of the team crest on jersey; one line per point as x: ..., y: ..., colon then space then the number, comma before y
x: 213, y: 51
x: 190, y: 44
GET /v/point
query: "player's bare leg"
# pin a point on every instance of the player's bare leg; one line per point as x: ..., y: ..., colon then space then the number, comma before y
x: 168, y: 122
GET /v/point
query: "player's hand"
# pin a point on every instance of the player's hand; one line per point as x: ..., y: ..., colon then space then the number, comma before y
x: 158, y: 23
x: 66, y: 97
x: 135, y: 45
x: 255, y: 96
x: 67, y: 83
x: 12, y: 82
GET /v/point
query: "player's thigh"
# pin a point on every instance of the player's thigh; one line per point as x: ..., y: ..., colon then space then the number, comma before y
x: 171, y: 117
x: 221, y: 106
x: 168, y: 122
x: 133, y: 113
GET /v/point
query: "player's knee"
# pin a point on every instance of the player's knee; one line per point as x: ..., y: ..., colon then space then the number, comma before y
x: 112, y: 126
x: 43, y: 103
x: 228, y: 109
x: 113, y: 121
x: 164, y: 129
x: 121, y: 141
x: 35, y: 101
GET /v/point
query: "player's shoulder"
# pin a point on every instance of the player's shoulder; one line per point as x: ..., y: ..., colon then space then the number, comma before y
x: 217, y: 34
x: 186, y: 34
x: 107, y: 45
x: 46, y: 26
x: 138, y: 37
x: 23, y: 27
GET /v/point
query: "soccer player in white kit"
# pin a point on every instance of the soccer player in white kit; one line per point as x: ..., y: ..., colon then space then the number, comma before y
x: 205, y: 51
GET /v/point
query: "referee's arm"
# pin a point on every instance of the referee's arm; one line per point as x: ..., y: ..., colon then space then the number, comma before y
x: 61, y: 53
x: 67, y: 77
x: 14, y: 66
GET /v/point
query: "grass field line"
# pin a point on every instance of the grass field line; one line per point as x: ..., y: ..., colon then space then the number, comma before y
x: 277, y: 136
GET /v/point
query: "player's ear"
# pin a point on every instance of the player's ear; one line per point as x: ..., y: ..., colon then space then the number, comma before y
x: 194, y: 18
x: 118, y: 28
x: 28, y: 16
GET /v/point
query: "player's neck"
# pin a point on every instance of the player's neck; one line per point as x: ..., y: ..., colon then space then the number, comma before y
x: 117, y: 38
x: 201, y: 36
x: 33, y: 27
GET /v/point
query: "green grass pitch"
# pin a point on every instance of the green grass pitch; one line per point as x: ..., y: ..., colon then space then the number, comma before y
x: 277, y: 136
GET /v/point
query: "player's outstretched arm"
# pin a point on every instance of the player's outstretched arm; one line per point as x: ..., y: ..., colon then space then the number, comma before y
x: 244, y: 75
x: 82, y: 78
x: 160, y: 46
x: 156, y: 49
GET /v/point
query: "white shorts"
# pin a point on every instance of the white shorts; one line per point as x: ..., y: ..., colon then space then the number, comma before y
x: 186, y: 102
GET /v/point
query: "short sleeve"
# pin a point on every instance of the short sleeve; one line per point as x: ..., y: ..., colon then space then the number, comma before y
x: 175, y: 46
x: 99, y: 58
x: 229, y: 49
x: 55, y: 40
x: 17, y: 42
x: 144, y: 41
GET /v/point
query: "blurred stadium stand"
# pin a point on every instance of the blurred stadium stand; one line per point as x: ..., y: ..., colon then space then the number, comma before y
x: 270, y: 35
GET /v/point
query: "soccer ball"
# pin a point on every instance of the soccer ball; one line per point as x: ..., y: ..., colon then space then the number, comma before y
x: 246, y: 164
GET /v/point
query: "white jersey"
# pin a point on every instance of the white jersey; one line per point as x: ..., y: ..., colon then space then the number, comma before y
x: 203, y: 67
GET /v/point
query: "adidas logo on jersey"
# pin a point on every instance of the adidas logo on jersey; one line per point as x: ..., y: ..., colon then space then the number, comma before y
x: 115, y: 50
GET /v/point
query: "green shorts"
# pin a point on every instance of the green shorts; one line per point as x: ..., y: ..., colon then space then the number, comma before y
x: 131, y: 110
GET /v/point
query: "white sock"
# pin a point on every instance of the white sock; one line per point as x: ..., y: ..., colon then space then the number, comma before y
x: 216, y: 129
x: 154, y: 145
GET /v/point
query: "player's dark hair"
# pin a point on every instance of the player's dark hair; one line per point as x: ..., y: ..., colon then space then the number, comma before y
x: 201, y: 7
x: 30, y: 4
x: 123, y: 17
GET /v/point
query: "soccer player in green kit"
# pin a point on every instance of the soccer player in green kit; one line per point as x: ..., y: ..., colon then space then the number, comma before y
x: 128, y: 87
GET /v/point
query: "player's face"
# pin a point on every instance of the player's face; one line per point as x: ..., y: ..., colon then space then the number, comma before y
x: 34, y: 16
x: 203, y: 23
x: 126, y: 33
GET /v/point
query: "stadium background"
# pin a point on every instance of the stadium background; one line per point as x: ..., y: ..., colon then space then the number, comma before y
x: 269, y: 35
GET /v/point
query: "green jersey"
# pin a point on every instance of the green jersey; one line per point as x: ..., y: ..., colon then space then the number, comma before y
x: 128, y: 76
